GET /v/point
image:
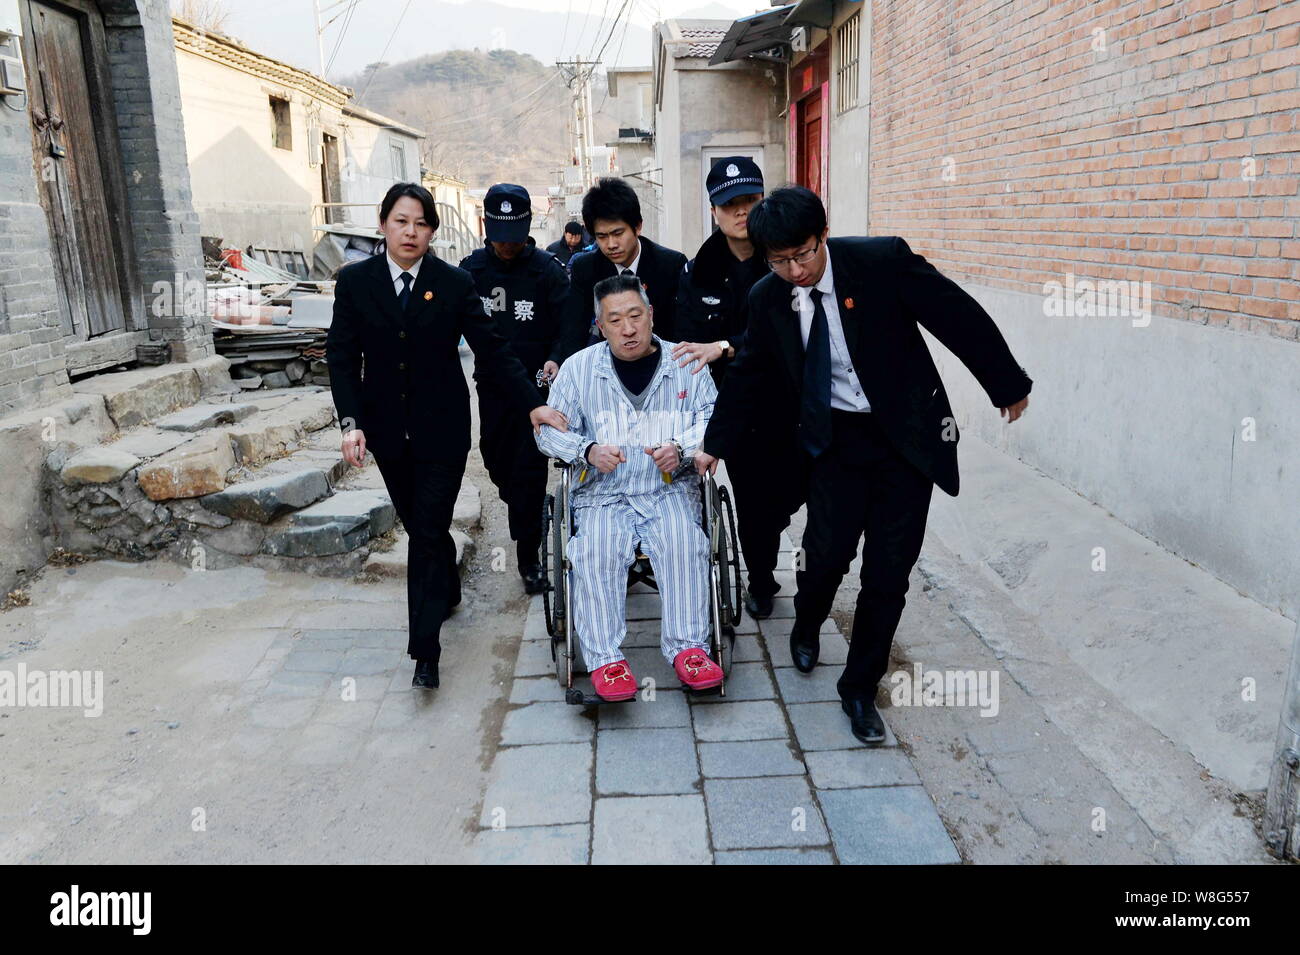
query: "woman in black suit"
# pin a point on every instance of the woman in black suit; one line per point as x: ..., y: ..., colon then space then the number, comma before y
x: 400, y: 316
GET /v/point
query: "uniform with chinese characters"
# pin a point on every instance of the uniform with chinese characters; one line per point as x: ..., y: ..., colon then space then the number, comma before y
x: 632, y: 505
x: 524, y: 297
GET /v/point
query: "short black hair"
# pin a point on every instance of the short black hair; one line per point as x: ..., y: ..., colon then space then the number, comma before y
x: 786, y: 219
x: 615, y: 284
x: 573, y: 227
x: 613, y: 200
x: 417, y: 192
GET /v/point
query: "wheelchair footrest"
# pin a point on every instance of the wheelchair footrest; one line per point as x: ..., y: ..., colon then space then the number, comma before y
x: 575, y: 697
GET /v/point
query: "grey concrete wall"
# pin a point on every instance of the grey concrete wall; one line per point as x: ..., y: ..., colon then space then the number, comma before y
x: 1147, y: 422
x: 850, y: 146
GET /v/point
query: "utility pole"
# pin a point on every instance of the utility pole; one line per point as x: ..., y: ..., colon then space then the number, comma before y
x: 578, y: 78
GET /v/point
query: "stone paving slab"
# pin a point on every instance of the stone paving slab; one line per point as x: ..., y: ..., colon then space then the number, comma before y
x: 763, y: 813
x: 539, y: 786
x: 746, y: 681
x: 533, y: 845
x: 774, y: 857
x: 856, y: 768
x: 769, y: 757
x: 825, y: 726
x: 814, y: 687
x: 668, y: 708
x: 741, y: 720
x: 535, y: 690
x: 891, y: 825
x: 547, y: 723
x: 651, y: 830
x: 646, y: 762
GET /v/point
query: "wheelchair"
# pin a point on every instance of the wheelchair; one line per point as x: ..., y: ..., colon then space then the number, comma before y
x: 726, y: 594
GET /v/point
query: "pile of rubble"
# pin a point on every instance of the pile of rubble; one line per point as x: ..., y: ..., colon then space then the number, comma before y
x: 270, y: 324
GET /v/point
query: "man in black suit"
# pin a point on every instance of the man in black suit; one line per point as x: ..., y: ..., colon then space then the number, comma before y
x: 394, y: 359
x: 834, y: 332
x: 612, y: 214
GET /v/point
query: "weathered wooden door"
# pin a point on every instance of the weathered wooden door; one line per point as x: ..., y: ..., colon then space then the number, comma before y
x: 78, y: 164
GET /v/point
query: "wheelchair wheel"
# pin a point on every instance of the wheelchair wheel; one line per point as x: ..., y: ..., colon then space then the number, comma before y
x: 729, y: 556
x: 553, y: 606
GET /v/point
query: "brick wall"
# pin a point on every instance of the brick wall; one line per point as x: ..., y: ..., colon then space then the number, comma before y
x: 1013, y: 144
x: 31, y: 344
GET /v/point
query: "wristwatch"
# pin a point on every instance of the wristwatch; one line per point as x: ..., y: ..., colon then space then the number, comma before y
x: 727, y: 350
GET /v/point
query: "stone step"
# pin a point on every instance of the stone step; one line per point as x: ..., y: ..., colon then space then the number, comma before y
x: 201, y: 416
x: 275, y: 432
x: 392, y: 563
x: 372, y: 508
x: 138, y: 396
x: 267, y: 498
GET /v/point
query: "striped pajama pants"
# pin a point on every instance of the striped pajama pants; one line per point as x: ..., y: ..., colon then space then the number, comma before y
x: 603, y: 547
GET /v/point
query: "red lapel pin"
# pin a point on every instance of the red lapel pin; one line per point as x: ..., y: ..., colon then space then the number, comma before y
x: 848, y: 303
x: 428, y: 297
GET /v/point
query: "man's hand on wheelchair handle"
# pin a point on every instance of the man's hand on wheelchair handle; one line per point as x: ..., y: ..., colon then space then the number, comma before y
x: 705, y: 462
x: 605, y: 457
x: 545, y: 414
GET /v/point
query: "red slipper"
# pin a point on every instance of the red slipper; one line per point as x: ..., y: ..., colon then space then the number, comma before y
x: 614, y: 682
x: 696, y: 670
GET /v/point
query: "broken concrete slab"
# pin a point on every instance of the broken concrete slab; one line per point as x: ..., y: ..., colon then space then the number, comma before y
x: 101, y: 465
x: 270, y: 497
x: 346, y: 506
x: 196, y: 468
x: 198, y: 417
x: 330, y: 463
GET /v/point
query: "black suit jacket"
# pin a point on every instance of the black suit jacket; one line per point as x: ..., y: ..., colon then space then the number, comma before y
x: 658, y: 271
x: 884, y: 291
x: 395, y: 374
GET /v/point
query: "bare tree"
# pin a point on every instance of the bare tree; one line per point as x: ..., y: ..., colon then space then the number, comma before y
x: 209, y: 15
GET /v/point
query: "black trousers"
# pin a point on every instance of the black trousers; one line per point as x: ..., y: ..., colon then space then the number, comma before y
x: 515, y: 466
x: 861, y: 487
x: 765, y: 496
x: 424, y: 495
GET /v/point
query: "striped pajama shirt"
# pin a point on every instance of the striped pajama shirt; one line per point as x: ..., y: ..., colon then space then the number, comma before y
x: 632, y: 505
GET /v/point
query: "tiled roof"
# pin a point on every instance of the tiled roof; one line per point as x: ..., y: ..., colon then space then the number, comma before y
x: 703, y: 42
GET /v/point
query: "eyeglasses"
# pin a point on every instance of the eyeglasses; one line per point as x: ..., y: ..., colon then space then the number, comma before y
x: 803, y: 258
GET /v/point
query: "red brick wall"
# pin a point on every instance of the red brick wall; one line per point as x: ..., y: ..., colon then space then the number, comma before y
x: 1118, y: 165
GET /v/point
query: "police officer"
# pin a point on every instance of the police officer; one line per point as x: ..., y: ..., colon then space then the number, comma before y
x: 569, y: 244
x: 712, y: 315
x: 523, y: 289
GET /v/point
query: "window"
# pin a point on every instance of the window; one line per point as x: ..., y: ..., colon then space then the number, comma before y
x: 846, y: 64
x: 281, y: 128
x: 398, y: 152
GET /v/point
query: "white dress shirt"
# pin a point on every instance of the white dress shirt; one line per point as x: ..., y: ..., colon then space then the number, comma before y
x: 396, y: 271
x: 635, y: 262
x: 846, y: 390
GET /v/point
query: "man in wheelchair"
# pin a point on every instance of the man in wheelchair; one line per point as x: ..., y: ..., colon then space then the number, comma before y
x: 634, y: 416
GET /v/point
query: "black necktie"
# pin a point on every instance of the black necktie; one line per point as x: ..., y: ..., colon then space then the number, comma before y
x: 404, y: 295
x: 815, y: 412
x: 628, y: 272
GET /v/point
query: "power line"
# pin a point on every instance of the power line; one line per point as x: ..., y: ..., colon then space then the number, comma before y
x: 391, y: 36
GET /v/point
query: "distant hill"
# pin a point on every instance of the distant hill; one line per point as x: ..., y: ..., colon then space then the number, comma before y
x: 494, y: 116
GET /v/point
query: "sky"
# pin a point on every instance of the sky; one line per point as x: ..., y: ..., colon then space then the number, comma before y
x: 548, y: 29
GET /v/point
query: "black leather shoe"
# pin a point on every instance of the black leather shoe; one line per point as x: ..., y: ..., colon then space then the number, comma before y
x: 758, y: 607
x: 534, y: 579
x: 426, y: 675
x: 804, y: 650
x: 865, y: 721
